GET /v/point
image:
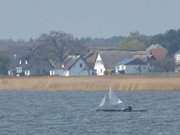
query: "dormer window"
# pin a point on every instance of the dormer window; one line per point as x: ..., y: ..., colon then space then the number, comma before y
x: 62, y: 66
x: 26, y: 62
x: 20, y: 62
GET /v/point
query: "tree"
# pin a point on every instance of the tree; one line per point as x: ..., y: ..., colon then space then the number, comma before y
x: 4, y: 62
x: 170, y: 40
x: 134, y: 42
x: 166, y: 65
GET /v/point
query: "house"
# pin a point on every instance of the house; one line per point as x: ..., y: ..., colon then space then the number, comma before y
x: 95, y: 63
x: 132, y: 65
x: 102, y: 62
x: 29, y: 64
x: 99, y: 67
x: 105, y: 62
x: 157, y: 51
x: 19, y: 68
x: 177, y: 61
x: 72, y: 66
x: 59, y: 72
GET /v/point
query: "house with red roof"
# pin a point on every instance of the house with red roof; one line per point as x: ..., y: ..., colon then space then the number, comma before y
x: 157, y: 51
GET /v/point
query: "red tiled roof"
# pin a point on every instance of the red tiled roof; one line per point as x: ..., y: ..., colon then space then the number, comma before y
x: 159, y: 53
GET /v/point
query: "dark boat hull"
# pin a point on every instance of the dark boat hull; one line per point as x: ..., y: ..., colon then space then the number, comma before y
x: 119, y: 110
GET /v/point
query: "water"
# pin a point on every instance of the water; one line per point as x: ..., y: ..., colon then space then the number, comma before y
x: 73, y: 113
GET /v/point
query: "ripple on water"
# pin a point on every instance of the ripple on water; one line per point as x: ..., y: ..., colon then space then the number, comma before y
x: 66, y: 113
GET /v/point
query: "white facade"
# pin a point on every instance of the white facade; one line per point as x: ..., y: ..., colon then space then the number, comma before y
x: 20, y: 62
x: 26, y: 62
x: 51, y: 72
x: 66, y: 73
x: 120, y: 68
x: 19, y: 70
x: 10, y: 73
x: 27, y: 72
x: 78, y: 67
x: 99, y: 66
x: 59, y: 72
x: 177, y: 58
x: 177, y: 61
x: 131, y: 69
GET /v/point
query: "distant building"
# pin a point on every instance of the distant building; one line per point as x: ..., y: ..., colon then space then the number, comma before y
x: 99, y: 67
x: 106, y: 62
x: 131, y: 66
x: 59, y: 72
x: 157, y: 51
x: 72, y: 66
x: 19, y: 68
x: 177, y: 61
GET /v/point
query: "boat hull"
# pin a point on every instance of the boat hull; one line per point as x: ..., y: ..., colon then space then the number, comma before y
x: 119, y: 110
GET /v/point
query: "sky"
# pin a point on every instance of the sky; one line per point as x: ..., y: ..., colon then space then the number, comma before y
x: 23, y: 19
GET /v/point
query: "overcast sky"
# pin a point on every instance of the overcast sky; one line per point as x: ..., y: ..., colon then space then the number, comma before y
x: 22, y: 19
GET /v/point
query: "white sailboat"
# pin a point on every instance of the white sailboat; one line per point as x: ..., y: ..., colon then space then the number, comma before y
x: 109, y: 101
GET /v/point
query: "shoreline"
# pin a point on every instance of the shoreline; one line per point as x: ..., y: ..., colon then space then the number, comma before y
x: 166, y: 82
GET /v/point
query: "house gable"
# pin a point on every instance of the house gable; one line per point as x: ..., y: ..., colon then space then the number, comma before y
x: 79, y: 67
x: 132, y: 65
x: 157, y: 51
x: 99, y: 66
x: 177, y: 57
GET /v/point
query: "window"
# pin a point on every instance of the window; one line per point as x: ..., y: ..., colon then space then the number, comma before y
x: 80, y: 65
x: 18, y: 70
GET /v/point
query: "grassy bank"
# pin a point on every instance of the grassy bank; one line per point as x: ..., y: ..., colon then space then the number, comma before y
x: 123, y: 82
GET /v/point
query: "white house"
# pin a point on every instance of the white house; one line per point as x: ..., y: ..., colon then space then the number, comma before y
x: 72, y: 66
x: 19, y: 68
x: 27, y: 72
x: 59, y: 72
x: 177, y: 61
x: 99, y: 67
x: 120, y: 68
x: 177, y: 57
x: 131, y: 66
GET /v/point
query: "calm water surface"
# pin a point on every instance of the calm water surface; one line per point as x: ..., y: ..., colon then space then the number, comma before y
x: 73, y: 113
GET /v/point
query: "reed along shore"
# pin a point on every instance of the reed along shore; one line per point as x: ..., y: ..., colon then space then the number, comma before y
x: 122, y: 82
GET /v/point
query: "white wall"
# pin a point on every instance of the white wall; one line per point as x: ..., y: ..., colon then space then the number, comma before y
x: 177, y: 58
x: 27, y: 72
x: 131, y: 69
x: 58, y: 72
x: 99, y: 66
x: 79, y: 68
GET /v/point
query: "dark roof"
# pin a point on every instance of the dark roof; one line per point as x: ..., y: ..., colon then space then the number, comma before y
x: 55, y: 64
x: 70, y: 61
x: 15, y: 63
x: 111, y: 58
x: 91, y: 58
x: 132, y: 61
x: 16, y: 54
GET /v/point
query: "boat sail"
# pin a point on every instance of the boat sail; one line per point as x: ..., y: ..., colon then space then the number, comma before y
x: 110, y: 99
